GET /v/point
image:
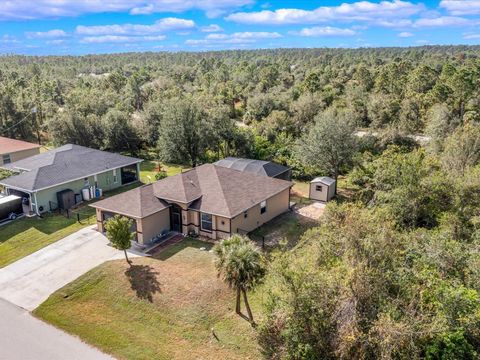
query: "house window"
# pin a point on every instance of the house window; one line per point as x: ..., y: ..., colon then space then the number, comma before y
x: 245, y: 214
x: 263, y: 207
x: 319, y: 188
x: 6, y: 158
x: 115, y: 178
x: 206, y: 222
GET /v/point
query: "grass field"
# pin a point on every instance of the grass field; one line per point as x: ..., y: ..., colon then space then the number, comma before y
x: 160, y: 308
x: 148, y: 169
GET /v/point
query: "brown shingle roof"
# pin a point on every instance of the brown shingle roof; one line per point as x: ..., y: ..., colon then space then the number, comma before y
x: 138, y: 203
x: 219, y: 190
x: 8, y: 145
x: 207, y: 188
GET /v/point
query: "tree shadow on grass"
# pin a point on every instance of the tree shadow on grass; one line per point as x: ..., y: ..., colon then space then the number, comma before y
x: 143, y: 280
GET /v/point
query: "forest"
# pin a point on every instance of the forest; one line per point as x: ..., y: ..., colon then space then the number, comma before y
x: 392, y: 273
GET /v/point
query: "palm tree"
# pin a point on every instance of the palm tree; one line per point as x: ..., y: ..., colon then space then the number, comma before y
x: 241, y: 265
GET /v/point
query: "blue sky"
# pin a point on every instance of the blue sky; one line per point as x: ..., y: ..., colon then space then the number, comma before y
x: 49, y: 27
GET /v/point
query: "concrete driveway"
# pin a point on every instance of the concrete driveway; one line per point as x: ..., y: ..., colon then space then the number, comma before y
x: 30, y: 281
x: 24, y: 337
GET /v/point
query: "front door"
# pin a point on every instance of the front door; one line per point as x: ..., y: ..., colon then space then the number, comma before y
x: 176, y: 218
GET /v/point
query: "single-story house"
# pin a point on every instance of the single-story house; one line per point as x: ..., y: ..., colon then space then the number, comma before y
x: 322, y: 189
x: 43, y: 177
x: 209, y: 200
x: 12, y: 150
x: 258, y: 167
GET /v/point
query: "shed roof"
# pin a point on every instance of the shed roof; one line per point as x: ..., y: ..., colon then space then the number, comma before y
x: 8, y: 146
x: 259, y: 167
x: 324, y: 180
x: 61, y: 165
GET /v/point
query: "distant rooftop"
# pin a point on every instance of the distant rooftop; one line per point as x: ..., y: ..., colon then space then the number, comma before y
x: 61, y: 165
x: 8, y: 146
x: 258, y: 167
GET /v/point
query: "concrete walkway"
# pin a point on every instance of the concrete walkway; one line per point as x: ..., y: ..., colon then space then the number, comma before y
x: 29, y: 281
x: 23, y: 337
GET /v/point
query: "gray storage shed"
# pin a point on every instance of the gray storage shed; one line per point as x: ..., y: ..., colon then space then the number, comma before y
x: 322, y: 189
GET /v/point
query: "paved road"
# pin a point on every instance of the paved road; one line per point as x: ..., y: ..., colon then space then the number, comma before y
x: 29, y: 281
x: 23, y: 337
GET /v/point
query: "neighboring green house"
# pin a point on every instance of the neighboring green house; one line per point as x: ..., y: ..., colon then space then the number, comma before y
x: 43, y: 178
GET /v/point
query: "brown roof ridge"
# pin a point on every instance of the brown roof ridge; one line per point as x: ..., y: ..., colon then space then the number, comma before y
x: 217, y: 169
x: 10, y: 145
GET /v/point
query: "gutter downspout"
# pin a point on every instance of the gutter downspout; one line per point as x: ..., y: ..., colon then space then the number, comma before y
x: 36, y: 204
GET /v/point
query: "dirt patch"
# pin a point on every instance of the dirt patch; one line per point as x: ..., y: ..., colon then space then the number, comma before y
x: 313, y: 211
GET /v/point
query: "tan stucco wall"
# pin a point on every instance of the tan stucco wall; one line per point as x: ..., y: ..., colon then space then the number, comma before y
x: 19, y: 155
x: 276, y: 205
x: 153, y: 225
x: 325, y: 195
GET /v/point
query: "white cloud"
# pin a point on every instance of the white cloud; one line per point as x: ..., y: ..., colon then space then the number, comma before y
x: 120, y: 39
x: 357, y: 11
x: 235, y: 38
x: 442, y: 21
x: 39, y: 9
x: 9, y: 39
x: 471, y: 36
x: 56, y: 42
x: 160, y: 26
x: 325, y: 31
x: 461, y: 7
x: 144, y: 10
x: 405, y: 34
x: 55, y: 33
x: 211, y: 28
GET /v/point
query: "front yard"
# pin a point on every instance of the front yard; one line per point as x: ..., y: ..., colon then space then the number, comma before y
x: 171, y: 306
x: 23, y: 237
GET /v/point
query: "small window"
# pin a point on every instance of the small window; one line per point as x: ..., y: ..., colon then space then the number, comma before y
x: 245, y: 214
x: 6, y: 158
x: 319, y: 188
x: 206, y: 222
x: 115, y: 179
x: 263, y: 207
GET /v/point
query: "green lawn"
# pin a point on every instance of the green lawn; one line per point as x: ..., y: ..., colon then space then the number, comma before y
x: 161, y: 308
x: 148, y: 169
x: 23, y: 237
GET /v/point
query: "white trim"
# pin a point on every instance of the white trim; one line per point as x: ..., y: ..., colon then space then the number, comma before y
x: 36, y: 204
x: 69, y: 181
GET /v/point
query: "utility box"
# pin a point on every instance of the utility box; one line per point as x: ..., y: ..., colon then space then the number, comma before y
x: 66, y: 199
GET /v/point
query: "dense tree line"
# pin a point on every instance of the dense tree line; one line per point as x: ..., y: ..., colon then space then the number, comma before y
x: 251, y: 103
x: 395, y: 274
